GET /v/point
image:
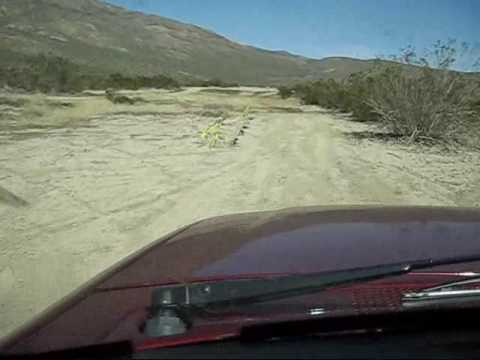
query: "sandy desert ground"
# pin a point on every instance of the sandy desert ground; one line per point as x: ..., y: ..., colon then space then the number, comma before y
x: 84, y: 182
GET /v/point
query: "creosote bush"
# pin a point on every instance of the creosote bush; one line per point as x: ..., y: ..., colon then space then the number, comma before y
x: 415, y: 97
x: 434, y: 103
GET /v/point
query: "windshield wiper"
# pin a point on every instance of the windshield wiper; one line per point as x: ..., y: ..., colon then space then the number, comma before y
x: 450, y: 291
x: 172, y: 306
x: 245, y: 292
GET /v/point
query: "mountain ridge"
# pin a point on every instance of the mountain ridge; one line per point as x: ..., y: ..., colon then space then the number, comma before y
x: 113, y: 39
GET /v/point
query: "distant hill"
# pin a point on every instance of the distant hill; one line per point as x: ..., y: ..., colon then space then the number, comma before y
x: 107, y: 38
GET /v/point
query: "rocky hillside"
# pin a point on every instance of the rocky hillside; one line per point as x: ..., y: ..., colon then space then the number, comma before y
x: 113, y: 39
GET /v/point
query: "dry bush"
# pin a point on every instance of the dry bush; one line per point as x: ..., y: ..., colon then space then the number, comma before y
x: 415, y: 97
x: 285, y: 92
x: 348, y: 96
x: 430, y: 101
x: 41, y: 112
x: 434, y: 105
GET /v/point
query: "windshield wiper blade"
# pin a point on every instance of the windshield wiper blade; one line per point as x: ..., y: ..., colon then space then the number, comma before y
x: 247, y: 292
x: 173, y: 306
x: 449, y: 291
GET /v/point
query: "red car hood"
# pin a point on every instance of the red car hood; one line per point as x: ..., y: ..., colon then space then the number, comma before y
x: 112, y: 307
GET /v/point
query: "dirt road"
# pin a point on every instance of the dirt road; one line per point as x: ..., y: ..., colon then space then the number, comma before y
x: 100, y: 191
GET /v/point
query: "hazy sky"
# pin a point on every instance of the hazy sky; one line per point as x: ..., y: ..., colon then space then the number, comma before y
x: 319, y: 28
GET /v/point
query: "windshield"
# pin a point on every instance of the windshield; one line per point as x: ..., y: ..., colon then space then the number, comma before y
x: 122, y: 121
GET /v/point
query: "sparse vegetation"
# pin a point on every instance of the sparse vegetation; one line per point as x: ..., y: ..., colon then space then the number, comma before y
x: 211, y: 83
x: 38, y: 111
x: 285, y: 92
x: 49, y: 73
x: 213, y: 134
x: 116, y: 98
x: 347, y: 96
x: 223, y: 114
x: 434, y: 104
x: 119, y: 81
x: 425, y: 100
x: 13, y: 102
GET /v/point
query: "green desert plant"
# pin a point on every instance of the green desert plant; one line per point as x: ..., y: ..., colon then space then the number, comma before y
x: 213, y: 134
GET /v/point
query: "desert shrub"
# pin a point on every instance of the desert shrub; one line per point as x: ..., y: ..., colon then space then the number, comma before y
x: 210, y: 83
x: 417, y: 97
x: 40, y: 73
x: 434, y: 102
x: 213, y: 134
x: 310, y: 94
x: 122, y: 99
x: 219, y: 114
x: 115, y: 98
x: 349, y: 95
x: 119, y: 81
x: 357, y: 91
x: 285, y: 92
x: 219, y: 83
x: 49, y: 73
